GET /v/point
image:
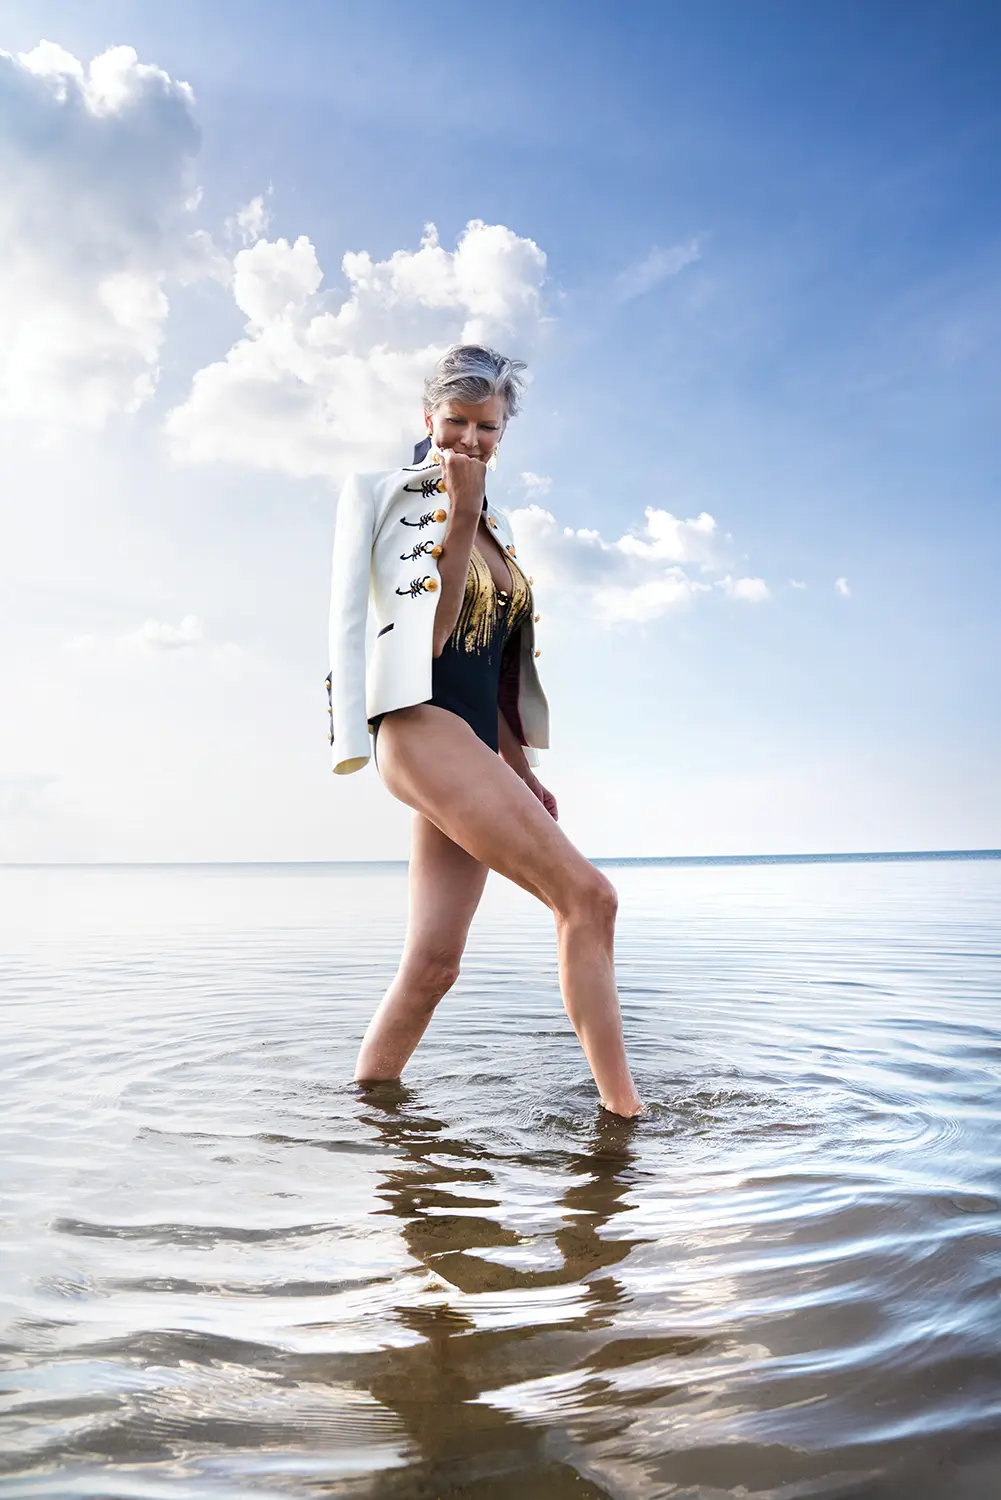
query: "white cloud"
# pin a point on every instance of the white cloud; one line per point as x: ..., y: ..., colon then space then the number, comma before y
x: 250, y: 223
x: 535, y: 484
x: 796, y: 584
x: 154, y: 635
x: 616, y: 604
x: 95, y: 215
x: 638, y: 577
x: 582, y: 553
x: 322, y: 383
x: 842, y: 587
x: 751, y: 590
x: 672, y: 540
x: 657, y: 266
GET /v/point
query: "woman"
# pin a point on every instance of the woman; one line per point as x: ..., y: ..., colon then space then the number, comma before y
x: 452, y: 698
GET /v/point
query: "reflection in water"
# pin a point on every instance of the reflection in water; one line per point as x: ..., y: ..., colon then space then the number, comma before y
x: 437, y: 1386
x: 226, y: 1273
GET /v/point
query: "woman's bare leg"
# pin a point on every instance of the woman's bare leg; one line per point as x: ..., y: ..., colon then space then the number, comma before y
x: 431, y: 760
x: 446, y: 884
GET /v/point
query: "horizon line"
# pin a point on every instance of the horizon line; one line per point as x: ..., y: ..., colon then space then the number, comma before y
x: 874, y: 855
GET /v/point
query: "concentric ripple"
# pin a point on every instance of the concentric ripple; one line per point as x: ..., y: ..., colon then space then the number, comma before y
x: 228, y: 1272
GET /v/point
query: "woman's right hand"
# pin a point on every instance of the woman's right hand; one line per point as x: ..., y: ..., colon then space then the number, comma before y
x: 465, y: 482
x: 465, y: 485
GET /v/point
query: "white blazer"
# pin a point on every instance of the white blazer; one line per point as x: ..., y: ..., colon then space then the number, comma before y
x: 387, y: 539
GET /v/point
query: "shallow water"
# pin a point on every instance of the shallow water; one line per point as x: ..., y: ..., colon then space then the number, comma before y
x: 227, y: 1273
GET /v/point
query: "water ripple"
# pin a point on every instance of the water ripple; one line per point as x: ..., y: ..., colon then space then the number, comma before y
x: 228, y: 1272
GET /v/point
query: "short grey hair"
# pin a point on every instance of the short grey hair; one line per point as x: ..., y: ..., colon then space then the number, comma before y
x: 474, y: 372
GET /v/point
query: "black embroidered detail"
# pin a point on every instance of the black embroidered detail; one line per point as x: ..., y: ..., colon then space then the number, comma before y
x: 417, y: 586
x: 330, y: 707
x: 384, y: 629
x: 427, y: 488
x: 424, y: 546
x: 424, y: 520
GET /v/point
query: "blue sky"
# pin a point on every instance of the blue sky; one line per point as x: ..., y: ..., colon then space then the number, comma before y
x: 753, y: 255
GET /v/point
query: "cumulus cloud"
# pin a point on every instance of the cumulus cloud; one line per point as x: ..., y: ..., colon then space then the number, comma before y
x: 535, y: 484
x: 97, y: 165
x: 156, y: 635
x: 751, y: 590
x: 619, y: 604
x: 323, y: 382
x: 250, y: 223
x: 657, y: 266
x: 842, y: 587
x: 642, y: 575
x: 151, y: 636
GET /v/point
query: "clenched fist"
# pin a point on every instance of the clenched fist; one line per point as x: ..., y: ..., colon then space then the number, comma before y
x: 465, y: 481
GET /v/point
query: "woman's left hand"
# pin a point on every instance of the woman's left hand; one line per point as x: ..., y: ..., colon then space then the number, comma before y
x: 544, y: 795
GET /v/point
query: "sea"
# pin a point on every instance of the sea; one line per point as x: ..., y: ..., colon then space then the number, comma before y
x: 229, y: 1273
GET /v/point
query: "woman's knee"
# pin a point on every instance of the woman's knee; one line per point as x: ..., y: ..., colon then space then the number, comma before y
x: 431, y: 973
x: 590, y: 898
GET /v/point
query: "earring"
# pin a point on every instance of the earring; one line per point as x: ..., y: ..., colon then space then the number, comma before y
x: 434, y: 453
x: 492, y: 460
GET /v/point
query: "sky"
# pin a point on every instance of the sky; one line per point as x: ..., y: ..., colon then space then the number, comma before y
x: 751, y: 252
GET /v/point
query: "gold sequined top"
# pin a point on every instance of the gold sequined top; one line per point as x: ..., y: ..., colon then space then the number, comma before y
x: 489, y: 615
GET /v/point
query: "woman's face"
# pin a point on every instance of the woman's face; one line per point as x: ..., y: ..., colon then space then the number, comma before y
x: 470, y: 427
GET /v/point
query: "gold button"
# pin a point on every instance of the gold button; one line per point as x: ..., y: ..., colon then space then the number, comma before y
x: 431, y: 585
x: 510, y: 548
x: 538, y: 651
x: 440, y: 515
x: 436, y: 550
x: 536, y: 618
x: 330, y: 710
x: 531, y: 580
x: 440, y: 486
x: 330, y: 738
x: 491, y: 521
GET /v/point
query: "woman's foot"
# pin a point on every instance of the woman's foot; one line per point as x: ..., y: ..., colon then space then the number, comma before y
x: 625, y: 1109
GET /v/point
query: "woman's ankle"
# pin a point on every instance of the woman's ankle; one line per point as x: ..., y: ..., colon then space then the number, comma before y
x: 627, y: 1107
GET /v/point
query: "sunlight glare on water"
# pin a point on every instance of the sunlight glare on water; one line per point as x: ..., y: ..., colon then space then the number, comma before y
x: 226, y: 1272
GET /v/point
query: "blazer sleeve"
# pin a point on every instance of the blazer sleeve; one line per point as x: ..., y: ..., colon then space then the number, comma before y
x: 349, y: 591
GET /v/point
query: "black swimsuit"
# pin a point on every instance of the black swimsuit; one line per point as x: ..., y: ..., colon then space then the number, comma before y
x: 466, y: 677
